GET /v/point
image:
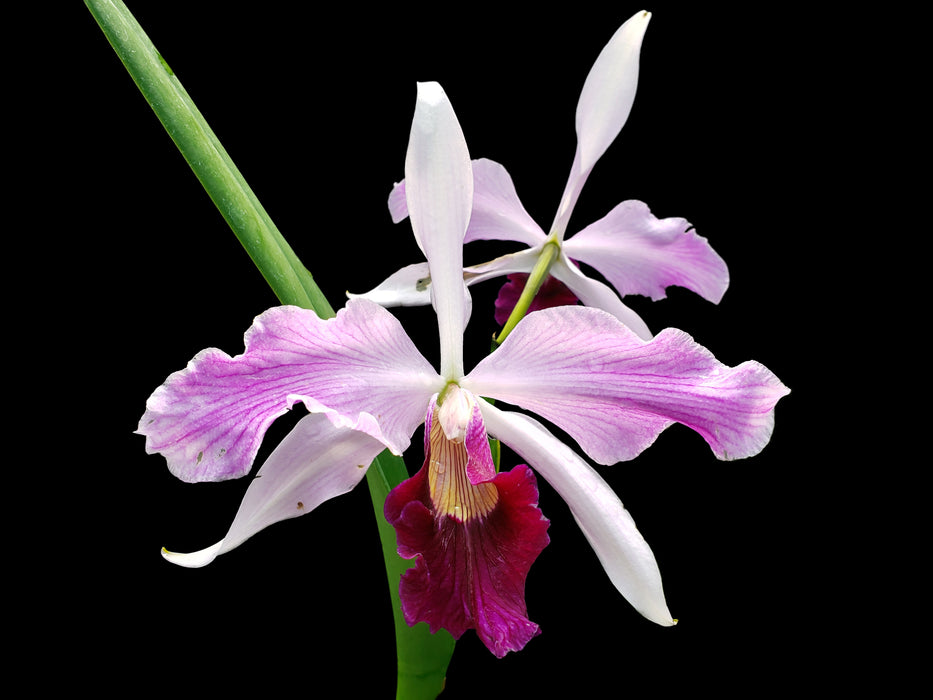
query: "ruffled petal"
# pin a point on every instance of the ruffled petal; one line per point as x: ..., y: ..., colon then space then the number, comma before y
x: 604, y: 106
x: 641, y: 254
x: 497, y: 213
x: 607, y: 525
x: 614, y: 393
x: 359, y: 368
x: 598, y: 295
x: 475, y: 534
x: 314, y: 463
x: 439, y: 192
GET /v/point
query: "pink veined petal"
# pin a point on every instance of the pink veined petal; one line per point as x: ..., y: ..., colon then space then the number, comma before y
x: 359, y: 368
x: 439, y: 192
x: 603, y: 108
x: 598, y: 295
x: 641, y: 254
x: 607, y: 525
x: 497, y: 213
x: 614, y: 393
x: 475, y: 534
x: 314, y: 463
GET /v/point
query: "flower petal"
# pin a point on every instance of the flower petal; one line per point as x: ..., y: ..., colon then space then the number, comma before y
x: 315, y: 462
x: 410, y: 286
x: 596, y: 294
x: 439, y: 192
x: 641, y: 254
x: 614, y: 393
x: 609, y: 90
x: 609, y: 528
x: 497, y: 213
x: 604, y: 106
x: 359, y: 368
x: 475, y: 533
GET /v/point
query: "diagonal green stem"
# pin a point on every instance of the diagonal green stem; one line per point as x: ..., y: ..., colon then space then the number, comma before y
x: 536, y: 278
x: 422, y: 657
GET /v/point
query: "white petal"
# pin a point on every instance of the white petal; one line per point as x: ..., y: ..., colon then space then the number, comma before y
x: 609, y: 91
x: 522, y: 261
x: 439, y: 192
x: 594, y: 293
x: 604, y: 106
x: 609, y: 528
x: 315, y: 462
x: 410, y: 286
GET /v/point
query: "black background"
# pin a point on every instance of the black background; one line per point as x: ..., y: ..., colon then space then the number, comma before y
x: 736, y: 127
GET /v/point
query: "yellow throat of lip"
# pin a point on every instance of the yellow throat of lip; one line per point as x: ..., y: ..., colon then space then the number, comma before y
x: 451, y: 491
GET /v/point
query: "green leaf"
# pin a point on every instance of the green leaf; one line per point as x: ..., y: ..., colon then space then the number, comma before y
x: 221, y: 179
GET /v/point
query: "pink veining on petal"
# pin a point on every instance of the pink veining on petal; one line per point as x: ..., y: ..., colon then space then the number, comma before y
x: 641, y: 254
x: 614, y: 393
x: 475, y: 534
x: 360, y: 369
x: 552, y: 293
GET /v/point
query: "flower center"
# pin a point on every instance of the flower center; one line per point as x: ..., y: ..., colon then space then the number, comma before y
x: 451, y: 491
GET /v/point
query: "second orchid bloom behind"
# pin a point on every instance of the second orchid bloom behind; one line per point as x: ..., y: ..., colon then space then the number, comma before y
x: 631, y: 248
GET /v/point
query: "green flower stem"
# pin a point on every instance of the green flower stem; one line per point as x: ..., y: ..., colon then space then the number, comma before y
x: 422, y: 657
x: 536, y: 278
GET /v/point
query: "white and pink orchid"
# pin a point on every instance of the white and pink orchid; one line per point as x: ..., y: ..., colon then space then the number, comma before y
x: 631, y: 248
x: 367, y: 387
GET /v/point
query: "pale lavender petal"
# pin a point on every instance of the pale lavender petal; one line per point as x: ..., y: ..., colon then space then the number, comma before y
x: 439, y: 192
x: 398, y: 204
x: 359, y: 368
x: 314, y: 463
x: 497, y: 213
x: 410, y: 286
x: 607, y: 525
x: 598, y: 295
x: 614, y: 393
x: 604, y: 106
x: 641, y: 254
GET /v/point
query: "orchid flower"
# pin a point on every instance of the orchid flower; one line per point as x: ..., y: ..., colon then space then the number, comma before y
x: 631, y: 248
x: 366, y: 387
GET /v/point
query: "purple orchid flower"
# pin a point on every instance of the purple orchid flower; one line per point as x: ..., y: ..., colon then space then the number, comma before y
x: 635, y: 251
x: 367, y: 387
